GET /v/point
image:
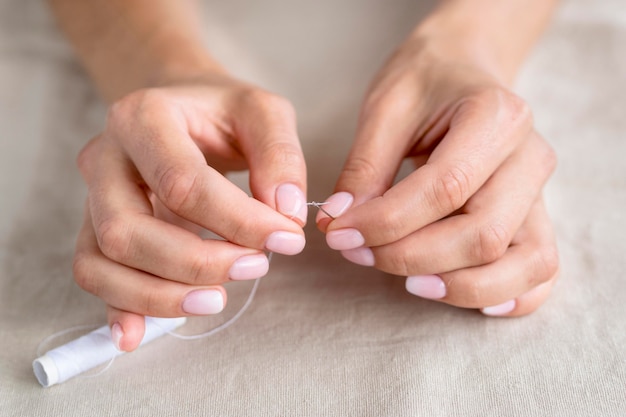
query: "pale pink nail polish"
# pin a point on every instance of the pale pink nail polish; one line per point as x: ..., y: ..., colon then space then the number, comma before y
x: 285, y: 243
x: 426, y: 286
x: 344, y: 239
x: 336, y: 205
x: 360, y: 256
x: 249, y: 267
x: 116, y: 335
x: 500, y: 309
x: 291, y: 202
x: 203, y: 302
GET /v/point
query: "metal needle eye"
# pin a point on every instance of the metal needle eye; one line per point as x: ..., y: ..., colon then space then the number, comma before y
x: 319, y: 207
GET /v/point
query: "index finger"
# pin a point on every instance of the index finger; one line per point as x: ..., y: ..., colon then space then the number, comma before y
x: 482, y: 134
x: 174, y: 168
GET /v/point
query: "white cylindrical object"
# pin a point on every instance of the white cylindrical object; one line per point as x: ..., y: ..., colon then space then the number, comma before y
x: 93, y: 349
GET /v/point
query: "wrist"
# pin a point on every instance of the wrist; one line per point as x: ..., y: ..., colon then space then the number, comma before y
x: 126, y: 46
x: 161, y: 61
x: 494, y: 35
x: 444, y: 38
x: 182, y: 67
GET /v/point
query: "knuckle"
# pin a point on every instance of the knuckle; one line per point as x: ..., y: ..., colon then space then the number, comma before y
x: 360, y: 170
x: 547, y: 263
x: 493, y: 239
x: 549, y: 158
x: 82, y: 268
x: 177, y: 189
x: 452, y: 190
x: 282, y: 154
x: 240, y: 231
x: 84, y: 159
x: 137, y: 107
x: 120, y: 112
x: 520, y: 111
x: 391, y: 225
x: 268, y: 102
x: 280, y: 105
x: 390, y: 90
x: 152, y: 302
x: 117, y: 112
x: 199, y: 268
x: 398, y: 263
x: 379, y: 102
x: 114, y: 238
x: 515, y: 109
x: 473, y: 294
x: 374, y: 104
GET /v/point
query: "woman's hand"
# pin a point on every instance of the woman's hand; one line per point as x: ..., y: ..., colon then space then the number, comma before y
x: 468, y: 227
x: 155, y: 177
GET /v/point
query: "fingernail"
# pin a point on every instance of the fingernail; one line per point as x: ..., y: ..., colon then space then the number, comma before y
x: 285, y: 243
x: 335, y: 205
x: 116, y: 335
x: 426, y: 286
x: 500, y: 309
x: 360, y: 256
x: 291, y: 202
x: 249, y: 267
x: 344, y: 239
x: 203, y: 302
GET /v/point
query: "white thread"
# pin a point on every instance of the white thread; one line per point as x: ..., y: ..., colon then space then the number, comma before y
x: 319, y: 207
x: 95, y: 348
x: 224, y: 325
x: 71, y: 330
x: 63, y: 333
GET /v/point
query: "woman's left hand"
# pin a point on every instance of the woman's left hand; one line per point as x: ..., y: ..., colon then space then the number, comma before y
x: 468, y: 227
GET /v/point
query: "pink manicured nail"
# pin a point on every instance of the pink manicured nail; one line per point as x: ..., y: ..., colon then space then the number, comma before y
x: 116, y: 335
x: 336, y: 205
x: 249, y: 267
x: 500, y: 309
x: 360, y: 256
x: 285, y: 243
x: 426, y: 286
x: 344, y: 239
x: 291, y: 202
x: 203, y: 302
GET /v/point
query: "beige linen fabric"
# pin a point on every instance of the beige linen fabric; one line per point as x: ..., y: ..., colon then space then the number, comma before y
x: 324, y: 337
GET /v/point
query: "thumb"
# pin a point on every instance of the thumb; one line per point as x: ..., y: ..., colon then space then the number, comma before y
x: 266, y: 127
x: 371, y: 166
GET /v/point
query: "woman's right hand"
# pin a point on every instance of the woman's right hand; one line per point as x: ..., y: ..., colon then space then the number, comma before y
x: 160, y: 159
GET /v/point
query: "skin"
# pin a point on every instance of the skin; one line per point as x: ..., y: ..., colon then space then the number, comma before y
x: 470, y: 215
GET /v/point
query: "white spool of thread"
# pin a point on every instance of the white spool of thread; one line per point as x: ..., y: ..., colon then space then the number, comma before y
x: 93, y: 349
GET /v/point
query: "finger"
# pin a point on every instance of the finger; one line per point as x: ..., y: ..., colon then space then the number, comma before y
x: 483, y: 133
x: 387, y: 124
x: 525, y: 304
x: 340, y: 202
x: 135, y: 291
x: 167, y: 251
x: 127, y: 329
x: 174, y: 168
x: 333, y: 207
x: 382, y: 141
x: 530, y: 261
x: 86, y: 156
x: 484, y: 229
x: 266, y: 127
x: 128, y: 233
x: 165, y: 214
